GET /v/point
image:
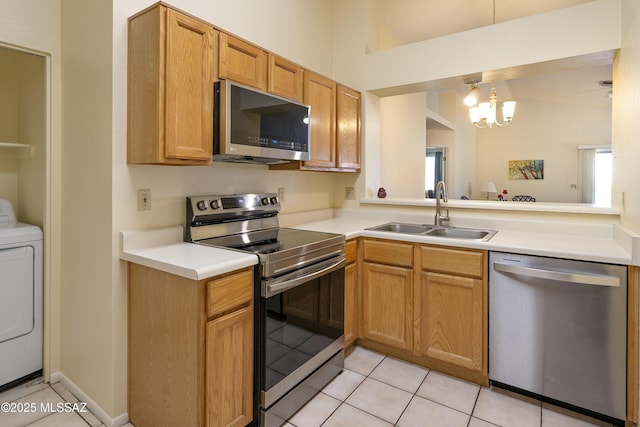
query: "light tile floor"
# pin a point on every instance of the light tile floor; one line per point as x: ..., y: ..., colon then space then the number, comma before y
x: 36, y: 404
x: 373, y: 390
x: 377, y: 390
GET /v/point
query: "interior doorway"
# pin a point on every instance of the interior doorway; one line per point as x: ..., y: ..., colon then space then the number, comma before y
x: 435, y: 169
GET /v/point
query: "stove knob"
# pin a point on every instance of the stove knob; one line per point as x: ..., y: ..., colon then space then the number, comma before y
x: 214, y: 204
x: 274, y: 200
x: 202, y: 205
x: 264, y: 201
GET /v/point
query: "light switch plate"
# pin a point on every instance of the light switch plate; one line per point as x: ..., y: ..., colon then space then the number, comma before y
x: 350, y: 193
x: 144, y: 200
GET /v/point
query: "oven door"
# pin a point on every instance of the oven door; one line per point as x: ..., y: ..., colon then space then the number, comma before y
x: 301, y: 326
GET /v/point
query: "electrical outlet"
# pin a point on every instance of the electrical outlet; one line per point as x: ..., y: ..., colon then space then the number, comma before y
x: 349, y: 193
x: 281, y: 194
x: 144, y: 200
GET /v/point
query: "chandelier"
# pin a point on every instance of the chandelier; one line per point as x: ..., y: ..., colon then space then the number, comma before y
x: 484, y: 114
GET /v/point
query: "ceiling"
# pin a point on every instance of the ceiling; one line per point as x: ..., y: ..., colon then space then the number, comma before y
x: 416, y: 20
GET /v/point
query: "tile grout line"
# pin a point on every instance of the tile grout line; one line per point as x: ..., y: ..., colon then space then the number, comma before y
x: 30, y: 393
x: 344, y: 401
x: 373, y: 379
x: 412, y: 397
x: 64, y: 399
x: 473, y: 409
x: 415, y: 393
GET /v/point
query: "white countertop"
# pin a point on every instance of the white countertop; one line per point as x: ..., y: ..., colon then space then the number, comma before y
x: 164, y: 250
x: 573, y: 241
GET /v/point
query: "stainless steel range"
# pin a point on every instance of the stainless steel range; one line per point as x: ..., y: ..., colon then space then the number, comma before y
x: 299, y: 295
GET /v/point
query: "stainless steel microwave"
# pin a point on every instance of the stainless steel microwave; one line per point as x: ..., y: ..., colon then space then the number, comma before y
x: 252, y: 126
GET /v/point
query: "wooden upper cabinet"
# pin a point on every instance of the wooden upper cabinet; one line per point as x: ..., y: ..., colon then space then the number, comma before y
x: 320, y: 94
x: 285, y: 78
x: 335, y: 126
x: 348, y: 128
x: 242, y: 62
x: 170, y: 88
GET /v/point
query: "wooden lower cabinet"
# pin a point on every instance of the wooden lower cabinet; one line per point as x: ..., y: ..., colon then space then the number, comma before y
x: 453, y: 305
x: 451, y: 330
x: 229, y: 369
x: 387, y: 297
x: 190, y: 349
x: 352, y: 300
x: 351, y: 304
x: 426, y: 304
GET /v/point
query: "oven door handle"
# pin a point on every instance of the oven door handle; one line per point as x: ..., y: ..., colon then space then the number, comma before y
x: 300, y: 277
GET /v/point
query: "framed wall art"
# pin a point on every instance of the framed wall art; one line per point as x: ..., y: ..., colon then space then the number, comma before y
x: 526, y: 169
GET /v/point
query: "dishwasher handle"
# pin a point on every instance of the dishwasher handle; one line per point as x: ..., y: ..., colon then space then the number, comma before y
x: 563, y: 276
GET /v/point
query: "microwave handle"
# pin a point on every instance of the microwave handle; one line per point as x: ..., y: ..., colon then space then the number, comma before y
x: 285, y: 285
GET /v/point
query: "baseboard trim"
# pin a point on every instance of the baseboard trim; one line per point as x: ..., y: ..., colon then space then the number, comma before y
x: 95, y: 409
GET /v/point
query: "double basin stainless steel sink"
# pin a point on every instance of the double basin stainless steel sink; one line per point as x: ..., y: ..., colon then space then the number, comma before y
x: 435, y: 231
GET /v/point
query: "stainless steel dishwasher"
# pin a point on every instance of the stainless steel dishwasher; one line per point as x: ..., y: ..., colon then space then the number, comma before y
x: 557, y: 329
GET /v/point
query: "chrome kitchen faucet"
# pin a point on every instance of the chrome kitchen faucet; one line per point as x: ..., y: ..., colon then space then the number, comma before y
x: 441, y: 191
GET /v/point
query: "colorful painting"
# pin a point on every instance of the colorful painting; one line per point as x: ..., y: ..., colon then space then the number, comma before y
x: 526, y: 169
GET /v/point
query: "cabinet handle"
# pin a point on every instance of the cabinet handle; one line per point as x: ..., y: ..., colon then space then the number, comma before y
x: 563, y: 276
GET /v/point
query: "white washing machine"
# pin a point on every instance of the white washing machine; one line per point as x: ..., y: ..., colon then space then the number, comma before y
x: 20, y: 298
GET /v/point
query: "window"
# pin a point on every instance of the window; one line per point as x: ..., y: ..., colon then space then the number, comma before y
x: 595, y: 174
x: 602, y: 175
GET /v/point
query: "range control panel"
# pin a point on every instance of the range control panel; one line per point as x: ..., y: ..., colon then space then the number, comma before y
x: 238, y: 202
x: 217, y: 207
x: 220, y: 211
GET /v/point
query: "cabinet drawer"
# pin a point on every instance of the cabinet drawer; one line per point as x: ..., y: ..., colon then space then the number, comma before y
x: 230, y: 292
x: 455, y: 261
x: 392, y: 253
x: 351, y: 251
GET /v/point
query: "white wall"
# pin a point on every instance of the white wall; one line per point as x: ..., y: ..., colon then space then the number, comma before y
x: 626, y: 110
x: 464, y: 154
x: 32, y: 130
x: 34, y: 26
x: 87, y: 304
x: 541, y: 131
x: 403, y: 130
x: 9, y: 71
x: 22, y: 121
x: 595, y: 27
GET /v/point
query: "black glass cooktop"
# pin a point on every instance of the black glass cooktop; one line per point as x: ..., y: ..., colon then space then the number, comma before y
x: 271, y: 241
x: 283, y: 249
